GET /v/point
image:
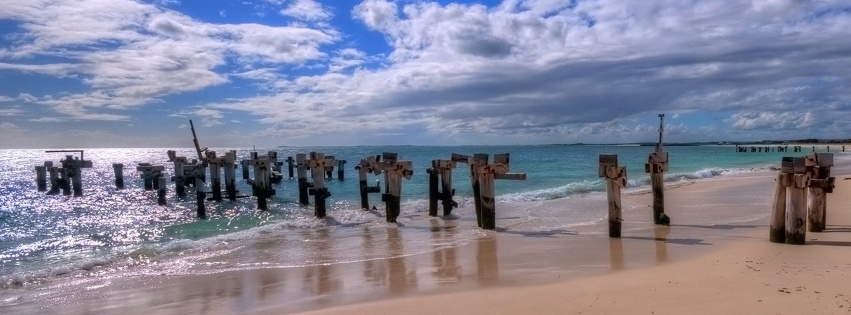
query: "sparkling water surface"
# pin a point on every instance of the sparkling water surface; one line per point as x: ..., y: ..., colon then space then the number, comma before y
x: 110, y: 232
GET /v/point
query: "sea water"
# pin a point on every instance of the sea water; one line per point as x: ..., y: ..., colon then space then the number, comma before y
x: 116, y: 233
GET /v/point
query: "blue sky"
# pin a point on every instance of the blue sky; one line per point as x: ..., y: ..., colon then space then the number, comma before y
x: 127, y: 73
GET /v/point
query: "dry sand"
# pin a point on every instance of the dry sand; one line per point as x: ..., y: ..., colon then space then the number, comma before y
x: 746, y: 274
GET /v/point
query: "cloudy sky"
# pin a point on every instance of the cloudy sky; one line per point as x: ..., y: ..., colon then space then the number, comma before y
x: 129, y: 73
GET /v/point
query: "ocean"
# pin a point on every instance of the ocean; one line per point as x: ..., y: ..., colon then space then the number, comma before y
x: 45, y: 240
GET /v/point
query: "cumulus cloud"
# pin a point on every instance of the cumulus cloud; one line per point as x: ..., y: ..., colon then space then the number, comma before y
x: 308, y: 10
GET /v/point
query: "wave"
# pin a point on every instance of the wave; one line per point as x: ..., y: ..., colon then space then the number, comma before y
x: 598, y: 185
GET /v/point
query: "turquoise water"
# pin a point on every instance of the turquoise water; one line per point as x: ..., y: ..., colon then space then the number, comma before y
x: 111, y: 232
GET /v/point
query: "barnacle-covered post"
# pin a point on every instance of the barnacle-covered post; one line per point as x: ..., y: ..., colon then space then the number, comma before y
x: 615, y: 180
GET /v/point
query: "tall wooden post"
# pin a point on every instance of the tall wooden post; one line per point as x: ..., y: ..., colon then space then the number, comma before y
x: 262, y: 183
x: 215, y: 164
x: 366, y: 166
x: 290, y: 163
x: 303, y: 185
x: 487, y: 173
x: 777, y: 231
x: 341, y: 173
x: 41, y: 177
x: 55, y: 181
x: 615, y: 180
x: 179, y: 174
x: 230, y: 174
x: 657, y: 165
x: 818, y: 166
x: 796, y: 207
x: 200, y: 196
x: 119, y: 175
x: 432, y: 188
x: 394, y: 171
x: 475, y: 162
x: 318, y: 164
x: 161, y: 191
x: 64, y: 180
x: 244, y: 164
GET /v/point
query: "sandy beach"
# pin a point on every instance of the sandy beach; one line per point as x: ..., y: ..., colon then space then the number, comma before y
x: 696, y: 265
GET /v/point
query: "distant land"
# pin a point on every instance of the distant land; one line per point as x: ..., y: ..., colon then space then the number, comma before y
x: 760, y: 142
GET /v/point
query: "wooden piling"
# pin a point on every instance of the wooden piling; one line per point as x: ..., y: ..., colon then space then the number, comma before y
x: 318, y: 165
x: 818, y: 166
x: 432, y: 189
x: 488, y: 198
x: 179, y: 185
x: 657, y: 184
x: 200, y: 196
x: 777, y: 231
x: 475, y: 161
x: 303, y: 185
x: 54, y: 180
x: 367, y: 165
x: 796, y: 207
x: 815, y: 208
x: 446, y: 191
x: 230, y: 174
x: 161, y: 191
x: 290, y: 162
x: 244, y: 164
x: 41, y: 178
x: 341, y: 173
x: 215, y: 164
x: 615, y: 180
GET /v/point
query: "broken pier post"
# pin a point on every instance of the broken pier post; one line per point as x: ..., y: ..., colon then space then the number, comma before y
x: 475, y: 162
x: 818, y: 166
x: 657, y: 165
x: 55, y: 181
x: 796, y: 204
x: 230, y: 174
x: 615, y: 180
x: 394, y: 170
x: 150, y: 173
x: 161, y: 191
x: 777, y: 231
x: 73, y: 168
x: 440, y: 183
x: 366, y: 166
x: 262, y: 183
x: 487, y: 173
x: 303, y: 184
x: 215, y: 164
x: 41, y: 175
x: 179, y: 178
x: 290, y: 163
x: 318, y: 164
x: 341, y: 173
x: 119, y: 175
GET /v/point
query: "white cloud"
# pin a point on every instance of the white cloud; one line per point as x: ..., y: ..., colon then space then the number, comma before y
x: 46, y: 120
x: 8, y: 126
x: 308, y: 10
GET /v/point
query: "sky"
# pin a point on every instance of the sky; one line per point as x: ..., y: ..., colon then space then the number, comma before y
x: 132, y: 73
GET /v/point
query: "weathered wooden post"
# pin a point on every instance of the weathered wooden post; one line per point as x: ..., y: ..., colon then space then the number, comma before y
x: 161, y: 191
x: 41, y: 176
x: 341, y: 173
x: 244, y: 164
x: 441, y: 171
x: 777, y: 231
x: 318, y: 163
x: 73, y: 169
x: 55, y: 181
x: 150, y: 173
x: 303, y: 185
x: 290, y: 163
x: 796, y: 207
x: 615, y: 180
x: 329, y: 170
x: 818, y: 166
x: 657, y: 165
x: 200, y: 196
x: 119, y: 175
x: 394, y: 171
x: 215, y: 164
x: 179, y: 177
x: 367, y: 165
x: 230, y: 174
x: 487, y: 173
x: 64, y: 180
x: 262, y: 184
x: 475, y: 161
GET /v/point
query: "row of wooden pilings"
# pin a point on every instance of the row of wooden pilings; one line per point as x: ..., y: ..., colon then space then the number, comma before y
x: 799, y: 204
x: 266, y: 170
x: 616, y: 179
x: 767, y: 149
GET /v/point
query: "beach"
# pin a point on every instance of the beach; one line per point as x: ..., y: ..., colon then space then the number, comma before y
x: 695, y: 265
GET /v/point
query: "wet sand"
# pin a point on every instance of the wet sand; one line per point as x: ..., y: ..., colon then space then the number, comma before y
x: 695, y: 265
